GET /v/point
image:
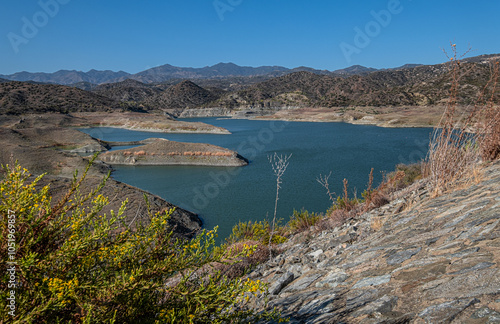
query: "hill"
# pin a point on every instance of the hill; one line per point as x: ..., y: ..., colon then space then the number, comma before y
x: 415, y: 260
x: 24, y: 97
x: 220, y: 86
x: 417, y: 86
x: 127, y: 91
x: 185, y: 94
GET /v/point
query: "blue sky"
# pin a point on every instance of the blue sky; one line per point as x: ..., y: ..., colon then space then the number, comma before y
x: 325, y: 34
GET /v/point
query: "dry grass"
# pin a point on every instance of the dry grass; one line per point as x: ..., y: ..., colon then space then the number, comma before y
x: 460, y: 142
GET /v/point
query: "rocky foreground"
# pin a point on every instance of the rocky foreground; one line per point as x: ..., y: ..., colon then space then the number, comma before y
x: 415, y: 260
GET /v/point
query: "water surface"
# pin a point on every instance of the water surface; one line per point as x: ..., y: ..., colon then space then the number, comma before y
x: 223, y: 196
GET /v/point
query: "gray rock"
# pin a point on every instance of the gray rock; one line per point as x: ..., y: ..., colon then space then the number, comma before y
x: 479, y: 266
x: 333, y: 279
x: 461, y: 254
x: 315, y: 254
x: 358, y: 298
x: 487, y: 313
x: 447, y: 311
x: 471, y: 284
x: 400, y: 257
x: 281, y: 283
x: 318, y: 306
x: 303, y: 282
x: 372, y: 281
x: 382, y: 305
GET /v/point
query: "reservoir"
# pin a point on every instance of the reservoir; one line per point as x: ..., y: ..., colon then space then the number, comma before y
x: 224, y: 196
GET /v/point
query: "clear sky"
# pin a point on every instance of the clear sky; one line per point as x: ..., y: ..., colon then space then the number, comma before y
x: 134, y: 35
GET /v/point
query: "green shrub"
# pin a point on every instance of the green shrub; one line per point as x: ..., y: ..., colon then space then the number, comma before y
x: 73, y: 264
x: 256, y: 231
x: 302, y: 220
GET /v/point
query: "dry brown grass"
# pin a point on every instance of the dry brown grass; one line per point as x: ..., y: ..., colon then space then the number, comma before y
x: 460, y: 142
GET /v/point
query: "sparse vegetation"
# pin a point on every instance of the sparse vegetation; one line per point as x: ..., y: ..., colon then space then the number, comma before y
x: 302, y: 220
x: 74, y: 264
x: 460, y: 142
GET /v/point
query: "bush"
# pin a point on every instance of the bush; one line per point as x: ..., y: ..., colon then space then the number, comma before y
x: 73, y: 264
x: 256, y: 231
x: 303, y: 220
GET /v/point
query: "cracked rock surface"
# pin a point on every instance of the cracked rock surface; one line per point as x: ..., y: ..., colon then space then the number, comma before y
x: 435, y: 260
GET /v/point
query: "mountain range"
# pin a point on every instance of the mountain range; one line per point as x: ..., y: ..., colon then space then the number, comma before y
x: 168, y: 72
x: 411, y: 85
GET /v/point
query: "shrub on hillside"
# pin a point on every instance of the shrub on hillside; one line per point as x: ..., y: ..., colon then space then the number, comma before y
x: 303, y: 220
x: 72, y: 264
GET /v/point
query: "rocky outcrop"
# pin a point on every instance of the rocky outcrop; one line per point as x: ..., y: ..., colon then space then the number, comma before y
x: 165, y: 152
x: 415, y: 260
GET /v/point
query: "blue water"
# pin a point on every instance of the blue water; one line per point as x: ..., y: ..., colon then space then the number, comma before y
x: 224, y: 196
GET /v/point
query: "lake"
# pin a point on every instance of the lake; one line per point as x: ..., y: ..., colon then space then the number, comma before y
x: 224, y: 196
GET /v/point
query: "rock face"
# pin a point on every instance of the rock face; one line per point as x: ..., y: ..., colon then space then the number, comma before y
x: 415, y: 260
x: 165, y: 152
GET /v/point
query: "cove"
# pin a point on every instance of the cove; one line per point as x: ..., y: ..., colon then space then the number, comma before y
x: 223, y: 196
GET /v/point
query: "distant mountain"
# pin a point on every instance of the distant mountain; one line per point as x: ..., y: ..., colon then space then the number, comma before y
x: 67, y: 77
x: 406, y: 66
x: 24, y: 97
x: 355, y: 69
x: 222, y: 70
x: 157, y: 74
x: 231, y: 86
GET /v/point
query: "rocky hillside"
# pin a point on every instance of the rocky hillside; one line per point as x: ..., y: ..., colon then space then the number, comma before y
x: 127, y: 91
x: 24, y: 97
x: 417, y: 86
x: 232, y: 87
x: 415, y: 260
x: 185, y: 94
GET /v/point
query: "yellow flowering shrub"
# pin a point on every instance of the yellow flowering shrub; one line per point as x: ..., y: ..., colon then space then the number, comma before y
x: 69, y: 263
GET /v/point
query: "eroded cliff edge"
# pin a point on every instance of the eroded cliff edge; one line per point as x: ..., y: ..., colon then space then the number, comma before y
x: 164, y: 152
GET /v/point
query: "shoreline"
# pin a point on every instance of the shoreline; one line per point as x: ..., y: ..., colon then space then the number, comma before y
x: 387, y: 117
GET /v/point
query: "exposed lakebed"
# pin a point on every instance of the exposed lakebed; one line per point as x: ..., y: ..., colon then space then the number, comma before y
x: 223, y: 196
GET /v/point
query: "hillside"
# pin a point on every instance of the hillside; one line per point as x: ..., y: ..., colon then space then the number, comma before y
x: 416, y: 260
x: 417, y: 86
x: 219, y: 87
x: 185, y: 94
x: 24, y: 97
x: 127, y: 91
